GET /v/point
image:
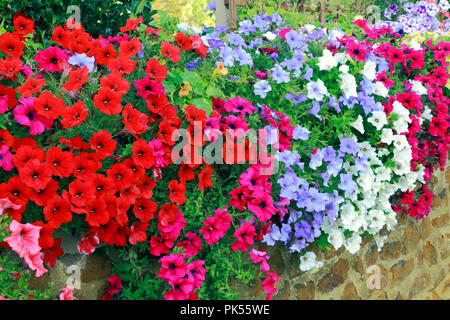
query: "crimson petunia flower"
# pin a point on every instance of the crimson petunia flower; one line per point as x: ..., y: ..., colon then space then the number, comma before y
x: 9, y: 67
x: 75, y: 115
x: 35, y: 174
x: 138, y: 233
x: 77, y: 79
x: 121, y: 176
x: 245, y: 237
x: 108, y: 101
x: 48, y: 105
x: 134, y: 120
x: 106, y: 54
x: 156, y: 70
x: 170, y: 51
x: 148, y: 87
x: 122, y: 65
x: 160, y: 246
x: 177, y: 192
x: 57, y: 211
x: 23, y: 25
x: 30, y: 87
x: 11, y: 45
x: 130, y: 48
x: 103, y: 143
x: 131, y: 24
x: 60, y: 162
x: 52, y: 59
x: 143, y: 154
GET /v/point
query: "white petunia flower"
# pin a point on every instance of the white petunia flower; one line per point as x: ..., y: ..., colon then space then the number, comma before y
x: 353, y: 244
x: 336, y: 238
x: 348, y: 85
x: 370, y: 70
x: 327, y: 61
x: 378, y: 119
x: 380, y: 90
x: 270, y: 36
x: 309, y: 262
x: 418, y: 88
x: 358, y: 124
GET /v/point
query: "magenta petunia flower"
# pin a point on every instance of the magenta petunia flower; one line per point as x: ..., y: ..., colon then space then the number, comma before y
x: 147, y: 87
x: 3, y: 104
x: 26, y: 115
x: 52, y: 59
x: 6, y: 158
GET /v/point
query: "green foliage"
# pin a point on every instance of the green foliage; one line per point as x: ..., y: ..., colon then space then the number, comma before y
x: 99, y: 17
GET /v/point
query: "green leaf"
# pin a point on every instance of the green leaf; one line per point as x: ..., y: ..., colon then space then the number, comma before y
x: 203, y: 104
x: 215, y: 92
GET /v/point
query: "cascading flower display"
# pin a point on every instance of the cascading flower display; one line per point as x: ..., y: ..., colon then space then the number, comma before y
x: 182, y: 147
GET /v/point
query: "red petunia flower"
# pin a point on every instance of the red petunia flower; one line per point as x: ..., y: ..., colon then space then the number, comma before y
x: 76, y: 79
x: 11, y: 45
x: 106, y: 54
x: 88, y: 243
x: 138, y: 233
x: 170, y: 51
x: 10, y: 94
x: 177, y: 192
x: 130, y: 48
x: 96, y: 213
x: 103, y: 143
x: 53, y: 253
x: 9, y: 67
x: 131, y: 24
x: 183, y: 41
x: 35, y: 174
x: 122, y: 65
x: 146, y: 185
x: 134, y: 120
x: 57, y: 211
x: 60, y: 162
x: 204, y: 178
x: 115, y: 83
x: 23, y: 25
x: 121, y: 175
x: 41, y: 197
x: 143, y: 154
x: 144, y: 209
x: 26, y: 153
x: 30, y: 87
x: 108, y: 101
x: 80, y: 193
x: 75, y: 115
x: 84, y: 168
x: 6, y: 139
x: 156, y: 70
x: 60, y: 36
x: 48, y: 105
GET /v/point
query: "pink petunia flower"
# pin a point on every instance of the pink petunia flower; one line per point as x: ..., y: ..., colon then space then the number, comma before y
x: 24, y: 238
x: 26, y: 115
x: 3, y: 104
x: 67, y: 293
x: 52, y: 59
x: 6, y: 158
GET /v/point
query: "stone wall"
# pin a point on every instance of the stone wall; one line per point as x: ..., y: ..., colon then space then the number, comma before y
x: 413, y: 264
